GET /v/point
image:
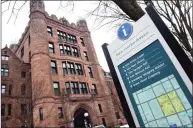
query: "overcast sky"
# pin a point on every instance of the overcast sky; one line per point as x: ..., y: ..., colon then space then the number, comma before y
x: 11, y: 32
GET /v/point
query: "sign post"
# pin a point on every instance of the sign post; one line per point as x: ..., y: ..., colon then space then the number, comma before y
x: 153, y: 83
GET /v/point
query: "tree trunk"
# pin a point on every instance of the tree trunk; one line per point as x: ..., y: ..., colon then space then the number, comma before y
x: 131, y: 8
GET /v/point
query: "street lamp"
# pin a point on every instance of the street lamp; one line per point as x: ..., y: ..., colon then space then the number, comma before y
x: 86, y: 120
x: 85, y: 114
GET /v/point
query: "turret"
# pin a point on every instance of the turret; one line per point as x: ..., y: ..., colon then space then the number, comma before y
x: 40, y: 60
x: 82, y: 25
x: 37, y: 5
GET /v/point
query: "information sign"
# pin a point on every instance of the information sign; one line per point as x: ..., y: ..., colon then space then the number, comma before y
x: 157, y: 89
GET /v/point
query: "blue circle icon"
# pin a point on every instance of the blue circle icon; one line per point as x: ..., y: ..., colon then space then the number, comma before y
x: 125, y: 31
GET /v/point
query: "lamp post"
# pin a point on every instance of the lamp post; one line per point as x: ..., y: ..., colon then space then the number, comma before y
x: 86, y: 120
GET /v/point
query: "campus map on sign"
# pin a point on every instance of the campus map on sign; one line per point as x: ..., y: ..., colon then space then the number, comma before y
x: 158, y: 94
x: 164, y: 104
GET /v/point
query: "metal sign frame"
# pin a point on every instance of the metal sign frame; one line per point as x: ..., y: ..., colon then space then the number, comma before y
x: 175, y: 48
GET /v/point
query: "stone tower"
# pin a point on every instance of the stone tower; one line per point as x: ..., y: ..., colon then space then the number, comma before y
x: 40, y: 60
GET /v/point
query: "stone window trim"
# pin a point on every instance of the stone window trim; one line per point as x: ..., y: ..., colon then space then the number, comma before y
x: 56, y: 87
x: 90, y: 72
x: 79, y: 69
x: 75, y: 51
x: 60, y: 113
x: 85, y: 55
x: 72, y: 68
x: 69, y: 50
x: 100, y: 108
x: 68, y: 87
x: 51, y: 47
x: 82, y: 41
x: 49, y: 31
x: 4, y: 70
x: 3, y: 89
x: 94, y: 89
x: 64, y: 37
x: 75, y: 87
x: 41, y: 113
x: 54, y: 67
x: 65, y: 69
x: 4, y: 57
x: 71, y: 38
x: 83, y: 88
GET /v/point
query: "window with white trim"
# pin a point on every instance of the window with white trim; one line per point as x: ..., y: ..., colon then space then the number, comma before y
x: 67, y: 50
x: 61, y: 49
x: 64, y: 66
x: 90, y: 72
x: 62, y: 35
x: 53, y: 67
x: 75, y: 88
x: 4, y: 70
x: 51, y: 47
x: 71, y: 68
x: 75, y: 52
x: 71, y: 38
x: 3, y: 88
x: 4, y: 57
x: 83, y: 88
x: 56, y: 87
x: 78, y: 68
x: 85, y: 56
x: 49, y: 31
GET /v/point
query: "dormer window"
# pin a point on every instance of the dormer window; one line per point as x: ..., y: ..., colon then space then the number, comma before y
x: 4, y: 58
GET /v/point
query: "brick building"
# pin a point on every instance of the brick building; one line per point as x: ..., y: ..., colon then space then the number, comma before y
x: 52, y: 77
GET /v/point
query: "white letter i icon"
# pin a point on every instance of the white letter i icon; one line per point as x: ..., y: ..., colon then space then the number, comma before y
x: 124, y: 31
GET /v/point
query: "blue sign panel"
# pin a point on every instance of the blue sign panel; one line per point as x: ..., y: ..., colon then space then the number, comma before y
x: 157, y: 92
x: 125, y: 31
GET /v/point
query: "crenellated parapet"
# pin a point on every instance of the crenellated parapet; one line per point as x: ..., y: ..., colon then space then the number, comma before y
x: 80, y: 25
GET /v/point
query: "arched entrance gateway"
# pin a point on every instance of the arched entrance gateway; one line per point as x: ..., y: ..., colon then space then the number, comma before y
x: 82, y: 119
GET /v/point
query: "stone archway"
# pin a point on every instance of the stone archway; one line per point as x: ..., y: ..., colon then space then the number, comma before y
x: 82, y: 118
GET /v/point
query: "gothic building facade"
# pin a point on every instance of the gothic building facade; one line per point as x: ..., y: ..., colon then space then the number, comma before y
x: 52, y: 77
